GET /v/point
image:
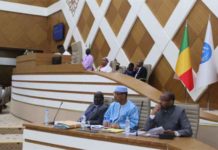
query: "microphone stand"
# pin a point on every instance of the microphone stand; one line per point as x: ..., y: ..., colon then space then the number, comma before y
x: 139, y: 118
x: 57, y: 112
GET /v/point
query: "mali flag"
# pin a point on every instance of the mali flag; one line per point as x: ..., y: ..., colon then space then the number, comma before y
x: 183, y: 65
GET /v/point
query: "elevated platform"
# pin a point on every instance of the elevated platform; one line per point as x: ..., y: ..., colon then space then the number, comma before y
x: 45, y: 86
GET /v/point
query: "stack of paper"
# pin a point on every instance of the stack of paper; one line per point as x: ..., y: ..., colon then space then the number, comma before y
x: 154, y: 132
x: 67, y: 124
x: 113, y: 130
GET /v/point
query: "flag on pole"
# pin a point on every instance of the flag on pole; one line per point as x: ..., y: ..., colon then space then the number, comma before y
x: 207, y: 71
x: 183, y: 65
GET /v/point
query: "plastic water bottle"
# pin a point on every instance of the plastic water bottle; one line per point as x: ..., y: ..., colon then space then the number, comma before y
x: 46, y: 117
x: 127, y: 126
x: 83, y: 122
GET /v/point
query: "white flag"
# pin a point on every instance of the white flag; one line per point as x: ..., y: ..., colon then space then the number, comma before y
x: 207, y: 71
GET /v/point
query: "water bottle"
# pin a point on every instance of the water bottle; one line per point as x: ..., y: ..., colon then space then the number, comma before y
x: 46, y: 117
x: 127, y: 126
x: 83, y: 122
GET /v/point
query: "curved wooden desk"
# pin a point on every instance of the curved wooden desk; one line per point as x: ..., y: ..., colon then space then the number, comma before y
x: 36, y: 84
x: 40, y: 136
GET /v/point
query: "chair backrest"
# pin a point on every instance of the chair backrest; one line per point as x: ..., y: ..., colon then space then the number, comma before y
x: 145, y: 111
x: 137, y: 100
x: 108, y: 100
x: 148, y: 67
x: 122, y: 69
x: 76, y: 57
x: 6, y: 96
x: 192, y: 112
x: 1, y: 89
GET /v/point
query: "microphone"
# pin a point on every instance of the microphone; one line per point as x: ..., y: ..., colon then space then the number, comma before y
x: 139, y: 118
x: 57, y: 112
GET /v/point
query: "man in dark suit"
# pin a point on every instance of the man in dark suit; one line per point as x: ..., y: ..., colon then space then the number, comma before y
x: 172, y: 118
x: 141, y: 71
x: 95, y: 112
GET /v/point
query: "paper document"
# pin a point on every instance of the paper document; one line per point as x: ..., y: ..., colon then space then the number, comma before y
x: 97, y: 127
x: 66, y: 124
x: 155, y: 131
x: 139, y: 133
x: 113, y: 130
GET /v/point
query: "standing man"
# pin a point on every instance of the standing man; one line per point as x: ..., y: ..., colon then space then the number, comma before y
x: 120, y: 110
x: 141, y: 71
x: 172, y: 118
x: 88, y: 61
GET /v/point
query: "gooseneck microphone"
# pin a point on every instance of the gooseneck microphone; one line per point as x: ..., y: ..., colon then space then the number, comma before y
x: 57, y: 112
x: 140, y: 111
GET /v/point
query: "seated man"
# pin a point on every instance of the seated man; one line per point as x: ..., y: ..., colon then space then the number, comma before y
x: 61, y: 49
x: 172, y: 118
x: 119, y: 110
x: 141, y: 71
x: 130, y: 70
x: 95, y: 112
x: 105, y: 66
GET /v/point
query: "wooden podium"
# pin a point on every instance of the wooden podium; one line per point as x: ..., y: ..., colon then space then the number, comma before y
x: 42, y: 63
x: 39, y: 59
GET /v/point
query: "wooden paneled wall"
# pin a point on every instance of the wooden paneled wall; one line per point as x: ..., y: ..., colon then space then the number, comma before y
x: 42, y: 3
x: 162, y: 9
x: 23, y: 31
x: 117, y: 13
x: 55, y: 18
x: 37, y: 34
x: 100, y: 48
x: 29, y: 32
x: 139, y: 42
x: 85, y: 22
x: 163, y: 75
x: 20, y: 31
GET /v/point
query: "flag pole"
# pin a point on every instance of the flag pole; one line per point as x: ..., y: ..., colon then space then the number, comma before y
x: 186, y: 95
x: 208, y: 100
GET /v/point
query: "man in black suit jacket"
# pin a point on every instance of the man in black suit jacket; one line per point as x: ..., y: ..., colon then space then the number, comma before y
x: 171, y: 117
x: 141, y: 72
x: 95, y: 112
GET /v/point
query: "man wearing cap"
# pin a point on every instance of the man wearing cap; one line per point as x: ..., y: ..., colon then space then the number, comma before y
x: 172, y: 118
x: 120, y: 110
x: 105, y: 66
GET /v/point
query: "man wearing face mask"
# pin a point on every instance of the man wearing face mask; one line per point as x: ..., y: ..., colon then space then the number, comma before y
x: 120, y: 110
x: 172, y: 118
x: 95, y: 112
